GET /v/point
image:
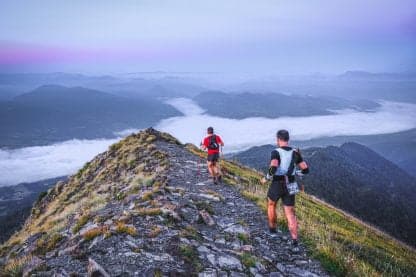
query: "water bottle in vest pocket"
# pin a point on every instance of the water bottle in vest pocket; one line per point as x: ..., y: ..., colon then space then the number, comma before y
x: 292, y: 188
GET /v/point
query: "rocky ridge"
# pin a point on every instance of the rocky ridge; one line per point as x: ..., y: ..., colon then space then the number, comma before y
x: 146, y: 208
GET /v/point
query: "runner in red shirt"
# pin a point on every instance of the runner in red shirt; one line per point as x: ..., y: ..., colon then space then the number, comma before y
x: 212, y: 143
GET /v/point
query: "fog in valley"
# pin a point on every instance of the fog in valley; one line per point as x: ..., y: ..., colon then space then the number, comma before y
x: 30, y: 164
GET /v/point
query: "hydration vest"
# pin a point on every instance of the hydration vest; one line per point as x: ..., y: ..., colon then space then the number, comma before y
x: 213, y: 144
x: 286, y: 165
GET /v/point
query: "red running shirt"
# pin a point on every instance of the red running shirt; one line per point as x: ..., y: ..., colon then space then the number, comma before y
x: 206, y: 143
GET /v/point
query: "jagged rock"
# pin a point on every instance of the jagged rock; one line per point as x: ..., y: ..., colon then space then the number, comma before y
x: 32, y: 265
x: 189, y: 215
x: 260, y: 267
x: 301, y: 262
x: 209, y: 197
x: 236, y: 274
x: 229, y: 263
x: 211, y: 258
x: 236, y: 229
x: 207, y: 218
x: 50, y: 254
x: 301, y: 272
x: 95, y: 241
x: 96, y: 270
x: 67, y: 250
x: 203, y: 249
x: 209, y: 272
x: 275, y: 274
x: 132, y: 244
x: 87, y: 228
x: 280, y: 267
x: 247, y: 248
x: 170, y: 210
x: 254, y: 271
x: 200, y: 184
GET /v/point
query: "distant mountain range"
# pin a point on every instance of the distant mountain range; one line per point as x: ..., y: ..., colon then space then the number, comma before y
x: 12, y: 85
x: 358, y: 180
x: 351, y: 85
x: 385, y: 76
x: 55, y: 113
x: 399, y: 148
x: 273, y: 105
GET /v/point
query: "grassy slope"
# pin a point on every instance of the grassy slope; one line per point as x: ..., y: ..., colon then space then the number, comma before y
x: 92, y: 187
x: 344, y: 245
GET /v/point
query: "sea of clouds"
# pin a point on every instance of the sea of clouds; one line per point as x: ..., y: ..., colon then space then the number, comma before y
x: 240, y: 134
x: 31, y: 164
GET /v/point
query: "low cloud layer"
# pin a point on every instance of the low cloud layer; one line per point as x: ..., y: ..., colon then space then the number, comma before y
x: 241, y: 134
x: 31, y: 164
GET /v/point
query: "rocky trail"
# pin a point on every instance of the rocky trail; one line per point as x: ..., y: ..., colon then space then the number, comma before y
x: 235, y: 238
x: 178, y: 224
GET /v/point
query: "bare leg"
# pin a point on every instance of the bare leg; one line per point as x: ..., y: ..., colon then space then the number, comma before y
x: 218, y: 168
x: 215, y: 168
x: 291, y: 221
x: 271, y: 212
x: 210, y: 169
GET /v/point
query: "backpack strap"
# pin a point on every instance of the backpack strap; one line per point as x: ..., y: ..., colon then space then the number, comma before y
x: 284, y: 160
x: 291, y: 169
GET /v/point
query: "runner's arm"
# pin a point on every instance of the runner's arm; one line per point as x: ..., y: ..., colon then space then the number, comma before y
x: 220, y: 141
x: 274, y: 163
x: 302, y: 165
x: 204, y: 145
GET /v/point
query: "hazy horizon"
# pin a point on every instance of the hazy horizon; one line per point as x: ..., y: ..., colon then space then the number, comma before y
x: 285, y: 37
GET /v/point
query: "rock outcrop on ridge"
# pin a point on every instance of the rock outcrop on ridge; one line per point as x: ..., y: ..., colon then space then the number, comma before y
x: 146, y: 207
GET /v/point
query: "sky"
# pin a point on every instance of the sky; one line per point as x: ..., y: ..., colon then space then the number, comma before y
x: 267, y: 36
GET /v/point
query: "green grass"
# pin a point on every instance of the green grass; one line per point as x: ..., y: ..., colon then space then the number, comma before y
x: 343, y: 245
x: 93, y: 233
x: 190, y: 232
x: 190, y: 256
x: 248, y: 260
x: 80, y: 223
x: 244, y: 238
x: 47, y: 243
x: 122, y: 228
x: 15, y: 267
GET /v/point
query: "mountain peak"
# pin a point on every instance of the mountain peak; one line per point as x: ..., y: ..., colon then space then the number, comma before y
x: 146, y: 206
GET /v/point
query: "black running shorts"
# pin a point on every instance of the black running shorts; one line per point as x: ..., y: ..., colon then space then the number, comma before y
x: 213, y: 157
x: 278, y: 190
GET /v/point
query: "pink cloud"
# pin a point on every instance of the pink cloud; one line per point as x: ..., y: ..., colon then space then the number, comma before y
x: 20, y: 54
